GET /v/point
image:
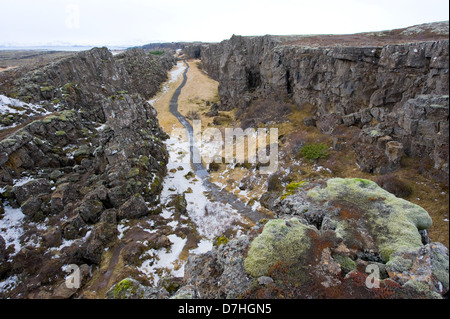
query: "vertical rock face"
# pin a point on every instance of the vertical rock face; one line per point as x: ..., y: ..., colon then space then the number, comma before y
x: 95, y: 154
x: 358, y: 81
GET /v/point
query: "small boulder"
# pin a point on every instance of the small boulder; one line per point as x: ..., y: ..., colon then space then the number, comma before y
x: 129, y: 288
x: 280, y: 240
x: 32, y: 188
x: 133, y: 208
x: 32, y: 208
x: 100, y: 238
x: 63, y: 194
x: 90, y: 210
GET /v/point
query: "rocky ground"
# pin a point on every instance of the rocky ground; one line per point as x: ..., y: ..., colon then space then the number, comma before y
x: 88, y: 177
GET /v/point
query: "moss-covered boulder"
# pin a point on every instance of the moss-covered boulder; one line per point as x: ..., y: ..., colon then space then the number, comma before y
x: 394, y: 223
x: 281, y: 240
x: 130, y: 288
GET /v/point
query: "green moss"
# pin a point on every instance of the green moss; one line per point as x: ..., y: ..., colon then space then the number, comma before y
x: 155, y: 185
x: 292, y: 187
x: 221, y: 240
x: 314, y: 151
x: 375, y: 133
x: 156, y: 52
x: 144, y: 161
x: 65, y: 89
x: 63, y: 116
x: 47, y: 88
x: 280, y: 240
x: 60, y: 133
x: 347, y: 264
x: 133, y: 172
x: 9, y: 141
x: 122, y: 287
x: 394, y: 222
x: 422, y: 289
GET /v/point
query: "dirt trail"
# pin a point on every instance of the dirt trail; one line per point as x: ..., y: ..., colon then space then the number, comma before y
x: 217, y: 193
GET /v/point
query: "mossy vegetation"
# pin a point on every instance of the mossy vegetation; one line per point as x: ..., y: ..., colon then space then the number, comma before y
x: 157, y: 52
x: 64, y: 116
x: 395, y: 230
x: 292, y: 187
x: 221, y: 240
x: 314, y: 151
x: 280, y: 240
x: 121, y: 286
x: 47, y: 88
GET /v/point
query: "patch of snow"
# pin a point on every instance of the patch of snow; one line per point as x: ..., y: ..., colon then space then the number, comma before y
x: 165, y: 262
x: 11, y: 226
x: 204, y: 246
x: 9, y: 105
x: 122, y: 228
x: 9, y: 283
x: 101, y: 127
x: 174, y: 74
x: 22, y: 181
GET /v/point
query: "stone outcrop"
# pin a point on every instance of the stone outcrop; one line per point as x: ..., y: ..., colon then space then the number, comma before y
x: 401, y: 84
x: 346, y: 238
x: 96, y: 158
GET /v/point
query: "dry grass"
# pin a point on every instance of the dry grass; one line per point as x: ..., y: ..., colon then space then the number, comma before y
x: 198, y: 90
x: 166, y: 120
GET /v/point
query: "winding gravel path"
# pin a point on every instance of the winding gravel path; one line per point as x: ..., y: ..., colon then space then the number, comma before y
x: 217, y: 194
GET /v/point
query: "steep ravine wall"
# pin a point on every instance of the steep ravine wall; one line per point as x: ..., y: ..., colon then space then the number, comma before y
x: 396, y: 92
x: 98, y: 159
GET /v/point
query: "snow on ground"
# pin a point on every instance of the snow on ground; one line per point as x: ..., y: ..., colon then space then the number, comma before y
x: 9, y: 284
x: 164, y: 262
x: 11, y: 227
x: 174, y: 74
x: 22, y: 181
x: 13, y: 106
x: 212, y: 219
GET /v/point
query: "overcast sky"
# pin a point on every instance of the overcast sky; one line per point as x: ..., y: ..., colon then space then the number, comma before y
x: 134, y: 22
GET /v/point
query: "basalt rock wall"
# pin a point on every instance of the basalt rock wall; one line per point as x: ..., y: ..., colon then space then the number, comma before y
x: 375, y: 87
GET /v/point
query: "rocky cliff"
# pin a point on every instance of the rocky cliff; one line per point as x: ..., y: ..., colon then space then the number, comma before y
x: 393, y: 85
x: 93, y: 155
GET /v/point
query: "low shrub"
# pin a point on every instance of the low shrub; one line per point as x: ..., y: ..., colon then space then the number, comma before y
x: 193, y: 115
x: 314, y: 151
x: 157, y: 52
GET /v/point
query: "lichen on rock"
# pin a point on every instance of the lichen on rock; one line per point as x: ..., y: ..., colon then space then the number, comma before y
x: 393, y: 222
x: 280, y: 240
